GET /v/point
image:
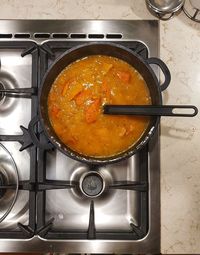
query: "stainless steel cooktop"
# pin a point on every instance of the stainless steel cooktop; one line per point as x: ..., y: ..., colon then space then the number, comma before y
x: 120, y: 211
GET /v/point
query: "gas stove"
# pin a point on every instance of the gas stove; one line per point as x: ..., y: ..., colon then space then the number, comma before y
x: 49, y: 202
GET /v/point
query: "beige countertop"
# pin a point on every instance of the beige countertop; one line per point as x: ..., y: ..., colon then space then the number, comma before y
x: 180, y: 138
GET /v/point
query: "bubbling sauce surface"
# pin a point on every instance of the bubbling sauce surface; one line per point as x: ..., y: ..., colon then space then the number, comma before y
x: 76, y: 100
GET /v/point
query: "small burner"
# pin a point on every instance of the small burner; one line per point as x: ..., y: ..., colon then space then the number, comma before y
x: 2, y: 95
x: 2, y: 182
x: 92, y: 184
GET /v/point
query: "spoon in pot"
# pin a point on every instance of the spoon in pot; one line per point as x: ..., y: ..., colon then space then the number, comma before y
x: 152, y: 110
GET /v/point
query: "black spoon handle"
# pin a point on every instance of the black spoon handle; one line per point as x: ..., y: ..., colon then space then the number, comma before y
x: 152, y: 110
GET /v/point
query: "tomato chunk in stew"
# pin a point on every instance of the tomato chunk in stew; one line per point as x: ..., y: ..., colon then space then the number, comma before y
x: 76, y: 100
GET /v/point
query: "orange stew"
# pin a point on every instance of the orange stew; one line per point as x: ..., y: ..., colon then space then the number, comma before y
x: 75, y: 105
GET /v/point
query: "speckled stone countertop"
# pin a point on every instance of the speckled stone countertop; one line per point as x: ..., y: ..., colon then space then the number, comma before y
x: 180, y: 137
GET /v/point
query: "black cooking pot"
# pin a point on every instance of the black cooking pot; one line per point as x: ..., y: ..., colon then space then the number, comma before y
x: 114, y: 50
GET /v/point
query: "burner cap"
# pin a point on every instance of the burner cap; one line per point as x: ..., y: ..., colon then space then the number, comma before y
x: 92, y: 184
x: 2, y: 182
x: 7, y: 81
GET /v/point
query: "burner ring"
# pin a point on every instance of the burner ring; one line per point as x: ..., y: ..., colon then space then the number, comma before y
x: 92, y: 184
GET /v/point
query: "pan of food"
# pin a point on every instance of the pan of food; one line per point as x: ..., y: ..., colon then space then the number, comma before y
x: 78, y: 85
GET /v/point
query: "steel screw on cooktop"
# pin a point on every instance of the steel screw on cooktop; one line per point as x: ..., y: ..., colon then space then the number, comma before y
x: 92, y: 184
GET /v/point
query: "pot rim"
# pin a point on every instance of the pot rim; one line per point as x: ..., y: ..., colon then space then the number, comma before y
x: 100, y: 160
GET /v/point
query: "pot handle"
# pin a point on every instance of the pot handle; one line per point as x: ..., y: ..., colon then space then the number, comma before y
x: 165, y: 70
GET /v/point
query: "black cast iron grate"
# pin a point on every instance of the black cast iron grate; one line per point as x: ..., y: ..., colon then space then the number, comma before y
x: 48, y: 53
x: 25, y: 231
x: 37, y: 185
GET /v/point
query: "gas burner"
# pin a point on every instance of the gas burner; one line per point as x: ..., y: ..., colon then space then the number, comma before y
x: 92, y: 184
x: 9, y: 182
